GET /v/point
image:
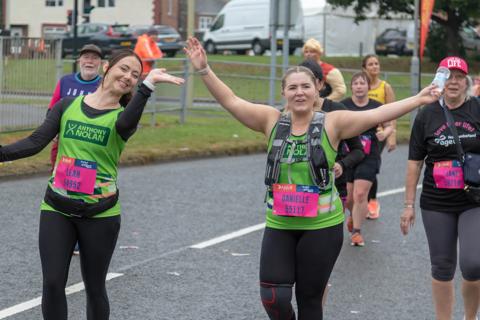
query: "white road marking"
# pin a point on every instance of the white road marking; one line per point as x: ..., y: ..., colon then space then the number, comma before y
x: 21, y: 307
x: 242, y: 232
x: 229, y: 236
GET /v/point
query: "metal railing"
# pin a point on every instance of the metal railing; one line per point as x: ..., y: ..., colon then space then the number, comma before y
x: 30, y: 68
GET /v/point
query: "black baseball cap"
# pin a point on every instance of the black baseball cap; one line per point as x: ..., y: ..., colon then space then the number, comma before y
x: 314, y: 67
x: 91, y: 48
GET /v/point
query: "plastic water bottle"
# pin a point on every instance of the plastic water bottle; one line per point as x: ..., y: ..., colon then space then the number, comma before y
x: 440, y: 78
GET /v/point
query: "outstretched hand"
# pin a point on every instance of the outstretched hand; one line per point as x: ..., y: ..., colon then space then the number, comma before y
x: 196, y: 53
x: 429, y: 94
x: 159, y: 75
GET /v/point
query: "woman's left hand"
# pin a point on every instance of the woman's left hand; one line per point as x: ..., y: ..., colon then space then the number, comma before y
x: 337, y: 169
x: 159, y: 75
x: 407, y: 220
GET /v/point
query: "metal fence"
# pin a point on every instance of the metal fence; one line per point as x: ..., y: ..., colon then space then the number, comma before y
x: 30, y: 68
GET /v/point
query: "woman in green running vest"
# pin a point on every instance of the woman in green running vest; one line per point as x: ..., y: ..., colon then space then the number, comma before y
x: 80, y: 203
x: 304, y: 224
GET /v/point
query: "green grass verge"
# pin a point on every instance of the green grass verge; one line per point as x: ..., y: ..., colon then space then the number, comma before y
x: 206, y: 133
x: 169, y: 140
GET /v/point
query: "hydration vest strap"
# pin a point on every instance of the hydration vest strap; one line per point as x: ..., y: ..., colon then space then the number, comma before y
x: 315, y: 154
x: 282, y: 132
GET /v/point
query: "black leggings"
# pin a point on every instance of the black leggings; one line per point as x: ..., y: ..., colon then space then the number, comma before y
x: 301, y: 257
x: 57, y: 237
x: 372, y: 193
x: 443, y: 231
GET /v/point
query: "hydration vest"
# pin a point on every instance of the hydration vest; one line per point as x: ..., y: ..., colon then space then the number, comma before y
x: 316, y: 156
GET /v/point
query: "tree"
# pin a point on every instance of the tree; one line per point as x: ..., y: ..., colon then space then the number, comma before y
x: 451, y: 15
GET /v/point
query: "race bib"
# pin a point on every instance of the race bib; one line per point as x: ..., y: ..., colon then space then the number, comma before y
x: 366, y: 143
x: 75, y: 175
x: 448, y: 174
x: 295, y: 200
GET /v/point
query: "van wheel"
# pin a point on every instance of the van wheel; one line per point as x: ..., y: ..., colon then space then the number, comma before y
x: 257, y: 48
x: 210, y: 47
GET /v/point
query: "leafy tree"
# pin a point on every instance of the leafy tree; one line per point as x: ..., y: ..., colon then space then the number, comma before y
x: 451, y: 15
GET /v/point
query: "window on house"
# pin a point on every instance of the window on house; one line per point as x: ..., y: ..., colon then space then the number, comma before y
x: 105, y: 3
x: 54, y: 3
x: 204, y: 23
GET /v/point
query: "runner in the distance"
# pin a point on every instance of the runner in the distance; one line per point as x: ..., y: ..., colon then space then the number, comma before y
x: 361, y: 178
x: 381, y: 91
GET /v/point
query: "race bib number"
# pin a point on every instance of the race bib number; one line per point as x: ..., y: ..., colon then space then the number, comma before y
x: 75, y: 175
x: 295, y: 200
x: 448, y: 174
x: 366, y: 143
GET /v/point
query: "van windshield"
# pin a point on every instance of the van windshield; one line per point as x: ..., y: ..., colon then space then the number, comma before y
x: 218, y: 23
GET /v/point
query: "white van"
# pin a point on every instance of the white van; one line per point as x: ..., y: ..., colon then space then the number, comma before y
x: 242, y: 25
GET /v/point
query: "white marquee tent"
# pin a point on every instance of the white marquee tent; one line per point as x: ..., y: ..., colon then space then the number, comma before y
x: 339, y: 34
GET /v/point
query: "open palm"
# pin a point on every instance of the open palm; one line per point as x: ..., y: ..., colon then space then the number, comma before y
x: 196, y: 54
x: 159, y: 75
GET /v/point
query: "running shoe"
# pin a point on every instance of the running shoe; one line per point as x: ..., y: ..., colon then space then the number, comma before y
x: 349, y: 223
x: 357, y: 240
x: 76, y: 250
x: 373, y: 209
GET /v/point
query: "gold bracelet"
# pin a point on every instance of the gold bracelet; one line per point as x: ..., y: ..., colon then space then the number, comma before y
x: 409, y: 206
x: 204, y: 71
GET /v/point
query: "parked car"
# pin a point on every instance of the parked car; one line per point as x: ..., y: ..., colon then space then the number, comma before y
x: 470, y: 39
x: 169, y: 40
x: 108, y: 37
x: 394, y: 41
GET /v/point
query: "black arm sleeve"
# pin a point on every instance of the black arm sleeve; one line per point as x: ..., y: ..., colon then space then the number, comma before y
x: 355, y: 155
x: 40, y: 138
x: 127, y: 121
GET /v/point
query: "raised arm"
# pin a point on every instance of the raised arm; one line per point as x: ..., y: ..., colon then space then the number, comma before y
x: 346, y: 124
x: 257, y: 117
x: 128, y: 120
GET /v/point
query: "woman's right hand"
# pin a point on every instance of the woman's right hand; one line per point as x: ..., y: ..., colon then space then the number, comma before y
x: 196, y: 54
x: 407, y: 220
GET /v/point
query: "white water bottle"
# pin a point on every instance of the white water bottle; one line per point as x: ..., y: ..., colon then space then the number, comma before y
x: 440, y: 78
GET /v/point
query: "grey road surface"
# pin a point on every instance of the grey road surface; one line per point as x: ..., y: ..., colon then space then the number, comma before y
x: 167, y: 208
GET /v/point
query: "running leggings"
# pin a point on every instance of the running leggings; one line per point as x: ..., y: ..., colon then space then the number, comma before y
x: 57, y: 237
x: 443, y: 231
x: 301, y: 257
x: 372, y: 193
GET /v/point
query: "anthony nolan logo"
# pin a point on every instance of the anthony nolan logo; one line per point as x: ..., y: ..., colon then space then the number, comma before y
x: 87, y: 132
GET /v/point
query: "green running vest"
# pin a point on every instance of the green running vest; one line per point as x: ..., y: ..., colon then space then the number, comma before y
x: 300, y: 174
x: 93, y: 139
